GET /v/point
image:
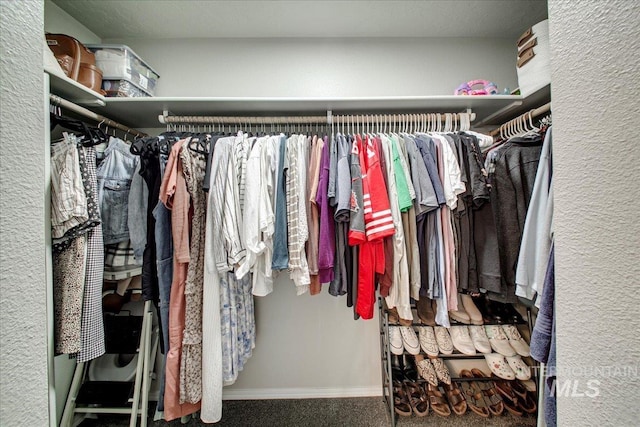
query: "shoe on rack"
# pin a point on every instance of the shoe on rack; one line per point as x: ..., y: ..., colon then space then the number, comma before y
x: 426, y: 370
x: 491, y: 395
x: 417, y: 398
x: 460, y: 315
x: 455, y: 398
x: 437, y: 401
x: 409, y: 339
x: 480, y: 339
x: 521, y: 369
x: 471, y: 309
x: 409, y: 368
x: 499, y: 366
x: 442, y: 372
x: 401, y: 403
x: 499, y: 341
x: 395, y: 340
x: 516, y: 341
x: 393, y: 317
x: 427, y: 339
x: 461, y: 340
x: 490, y: 311
x: 443, y: 339
x: 397, y: 368
x: 510, y: 313
x: 426, y: 312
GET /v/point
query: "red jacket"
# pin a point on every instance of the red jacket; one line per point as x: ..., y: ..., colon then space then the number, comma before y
x: 377, y: 214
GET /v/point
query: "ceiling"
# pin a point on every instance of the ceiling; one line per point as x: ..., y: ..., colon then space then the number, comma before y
x: 136, y: 19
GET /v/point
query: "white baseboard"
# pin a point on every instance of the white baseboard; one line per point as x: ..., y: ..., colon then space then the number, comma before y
x: 300, y: 393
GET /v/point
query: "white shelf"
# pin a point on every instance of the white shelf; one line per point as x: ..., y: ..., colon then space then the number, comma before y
x: 144, y: 112
x: 531, y: 101
x: 73, y: 91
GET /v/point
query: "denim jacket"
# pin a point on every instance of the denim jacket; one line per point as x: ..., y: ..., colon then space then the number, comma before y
x: 114, y: 183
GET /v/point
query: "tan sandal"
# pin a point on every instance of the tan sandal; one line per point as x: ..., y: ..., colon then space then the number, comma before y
x: 473, y: 395
x: 509, y: 397
x: 437, y: 401
x: 417, y: 398
x: 401, y: 400
x: 493, y: 399
x: 456, y: 399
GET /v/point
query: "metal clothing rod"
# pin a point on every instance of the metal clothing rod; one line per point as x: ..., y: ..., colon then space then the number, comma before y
x: 241, y: 120
x: 68, y: 105
x: 328, y: 119
x: 523, y: 119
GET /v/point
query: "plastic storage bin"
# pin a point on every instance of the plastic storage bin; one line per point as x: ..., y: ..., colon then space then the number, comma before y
x: 123, y: 72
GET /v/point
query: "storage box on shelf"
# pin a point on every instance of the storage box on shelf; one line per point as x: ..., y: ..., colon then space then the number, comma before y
x: 534, y: 59
x: 124, y: 73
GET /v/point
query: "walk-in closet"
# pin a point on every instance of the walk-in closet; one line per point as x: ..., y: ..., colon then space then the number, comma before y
x: 393, y: 213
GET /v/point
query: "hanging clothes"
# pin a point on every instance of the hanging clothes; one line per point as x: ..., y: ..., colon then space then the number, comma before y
x: 194, y: 165
x: 516, y: 165
x: 175, y: 196
x: 537, y: 232
x: 92, y: 332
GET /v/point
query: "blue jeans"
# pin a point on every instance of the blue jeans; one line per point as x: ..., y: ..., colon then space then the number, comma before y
x: 114, y: 184
x: 164, y: 262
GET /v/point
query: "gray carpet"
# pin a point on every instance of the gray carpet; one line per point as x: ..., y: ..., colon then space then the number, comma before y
x: 356, y: 412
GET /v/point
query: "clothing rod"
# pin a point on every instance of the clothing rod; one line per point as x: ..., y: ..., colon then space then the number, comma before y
x: 68, y: 105
x: 536, y: 112
x: 328, y: 119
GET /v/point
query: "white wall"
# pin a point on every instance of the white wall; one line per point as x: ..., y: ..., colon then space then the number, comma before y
x: 596, y: 99
x: 325, y: 67
x: 57, y: 21
x: 23, y: 309
x: 309, y: 346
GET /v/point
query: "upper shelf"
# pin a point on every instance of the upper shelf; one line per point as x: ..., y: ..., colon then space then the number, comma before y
x: 144, y: 112
x: 73, y: 91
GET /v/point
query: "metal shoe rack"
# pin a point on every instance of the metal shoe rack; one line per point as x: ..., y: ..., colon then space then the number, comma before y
x: 385, y: 356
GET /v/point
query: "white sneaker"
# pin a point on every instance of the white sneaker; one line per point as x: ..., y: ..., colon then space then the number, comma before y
x: 427, y: 340
x: 462, y: 341
x: 516, y: 341
x: 480, y: 339
x: 443, y: 339
x: 521, y: 369
x: 499, y: 341
x: 395, y: 340
x: 410, y: 340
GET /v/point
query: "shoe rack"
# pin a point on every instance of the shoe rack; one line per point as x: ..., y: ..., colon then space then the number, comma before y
x: 386, y: 357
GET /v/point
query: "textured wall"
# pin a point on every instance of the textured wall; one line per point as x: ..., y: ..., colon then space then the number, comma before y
x: 596, y: 99
x: 325, y: 67
x: 57, y: 21
x: 23, y: 351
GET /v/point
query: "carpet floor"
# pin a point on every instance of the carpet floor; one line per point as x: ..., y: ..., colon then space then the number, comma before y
x: 356, y: 412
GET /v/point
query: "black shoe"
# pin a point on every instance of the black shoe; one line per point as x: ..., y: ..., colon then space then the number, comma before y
x: 511, y: 314
x: 489, y: 310
x: 397, y: 368
x: 409, y: 368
